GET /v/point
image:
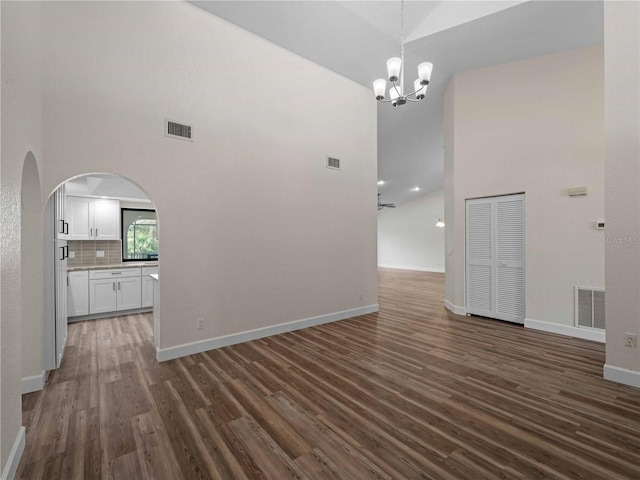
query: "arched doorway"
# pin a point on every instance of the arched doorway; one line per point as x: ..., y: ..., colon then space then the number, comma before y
x: 31, y: 279
x: 88, y: 219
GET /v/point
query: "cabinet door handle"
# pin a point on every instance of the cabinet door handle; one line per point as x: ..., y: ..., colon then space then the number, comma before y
x: 62, y: 229
x: 63, y: 257
x: 66, y: 228
x: 66, y: 251
x: 118, y: 285
x: 114, y: 286
x: 96, y: 232
x: 91, y: 232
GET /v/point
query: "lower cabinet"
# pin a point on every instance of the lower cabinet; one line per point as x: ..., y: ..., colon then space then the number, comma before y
x: 102, y: 296
x: 128, y: 295
x: 78, y: 293
x: 147, y: 286
x: 114, y: 290
x: 103, y: 291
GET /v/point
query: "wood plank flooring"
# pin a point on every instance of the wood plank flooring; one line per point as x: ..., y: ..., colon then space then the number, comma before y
x: 410, y: 392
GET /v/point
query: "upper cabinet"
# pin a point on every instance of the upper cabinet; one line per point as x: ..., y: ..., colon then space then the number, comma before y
x: 80, y: 215
x: 93, y: 218
x: 106, y: 219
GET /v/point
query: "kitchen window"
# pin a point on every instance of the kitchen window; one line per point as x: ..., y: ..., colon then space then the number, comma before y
x: 139, y: 234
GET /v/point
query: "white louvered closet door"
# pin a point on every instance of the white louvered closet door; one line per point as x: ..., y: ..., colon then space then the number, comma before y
x: 495, y: 257
x: 480, y: 264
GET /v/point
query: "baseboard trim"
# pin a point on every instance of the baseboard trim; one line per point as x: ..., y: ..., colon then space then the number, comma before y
x: 11, y: 467
x: 164, y: 354
x: 417, y: 269
x: 97, y: 316
x: 567, y: 330
x: 454, y: 308
x: 34, y: 383
x: 621, y: 375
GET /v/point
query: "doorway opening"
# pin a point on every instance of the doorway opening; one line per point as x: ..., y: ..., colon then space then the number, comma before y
x: 89, y: 274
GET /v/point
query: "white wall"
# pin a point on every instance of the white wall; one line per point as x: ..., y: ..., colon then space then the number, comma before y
x: 449, y: 197
x: 408, y: 237
x: 249, y: 215
x: 533, y: 126
x: 21, y: 133
x: 622, y: 173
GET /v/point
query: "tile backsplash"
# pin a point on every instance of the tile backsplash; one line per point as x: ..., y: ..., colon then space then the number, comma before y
x: 86, y: 251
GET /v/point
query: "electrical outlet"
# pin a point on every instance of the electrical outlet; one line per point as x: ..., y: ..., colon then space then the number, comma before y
x: 630, y: 340
x: 200, y: 323
x: 100, y: 253
x: 72, y: 254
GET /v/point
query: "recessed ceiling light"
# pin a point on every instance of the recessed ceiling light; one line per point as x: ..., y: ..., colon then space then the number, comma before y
x: 380, y: 182
x: 415, y: 189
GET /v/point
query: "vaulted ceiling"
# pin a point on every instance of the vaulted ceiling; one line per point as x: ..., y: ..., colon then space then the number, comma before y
x: 356, y: 38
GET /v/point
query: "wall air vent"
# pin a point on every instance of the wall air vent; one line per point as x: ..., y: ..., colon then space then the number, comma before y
x: 589, y: 307
x: 333, y: 163
x: 178, y: 130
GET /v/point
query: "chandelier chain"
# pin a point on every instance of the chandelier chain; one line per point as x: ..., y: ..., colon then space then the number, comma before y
x: 402, y: 45
x: 402, y: 24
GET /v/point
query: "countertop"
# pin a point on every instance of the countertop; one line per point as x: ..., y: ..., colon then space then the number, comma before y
x: 110, y: 267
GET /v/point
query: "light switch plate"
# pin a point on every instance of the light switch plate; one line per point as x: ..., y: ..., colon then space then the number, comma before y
x: 100, y: 253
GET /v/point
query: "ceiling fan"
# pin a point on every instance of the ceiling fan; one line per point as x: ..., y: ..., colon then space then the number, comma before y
x: 381, y: 206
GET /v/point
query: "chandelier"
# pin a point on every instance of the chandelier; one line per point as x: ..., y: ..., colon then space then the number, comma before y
x: 395, y: 70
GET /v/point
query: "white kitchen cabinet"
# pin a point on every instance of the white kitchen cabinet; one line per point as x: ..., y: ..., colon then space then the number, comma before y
x: 60, y: 269
x: 104, y: 291
x: 128, y: 293
x: 61, y: 224
x: 78, y: 293
x: 106, y: 219
x: 102, y: 295
x: 93, y: 218
x: 147, y: 286
x: 80, y: 217
x: 114, y: 290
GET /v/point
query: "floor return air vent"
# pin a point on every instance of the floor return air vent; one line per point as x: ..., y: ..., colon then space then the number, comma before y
x: 589, y: 308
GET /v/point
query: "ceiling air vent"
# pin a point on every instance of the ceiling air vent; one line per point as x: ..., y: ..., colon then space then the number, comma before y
x: 333, y: 163
x: 177, y: 130
x: 589, y: 307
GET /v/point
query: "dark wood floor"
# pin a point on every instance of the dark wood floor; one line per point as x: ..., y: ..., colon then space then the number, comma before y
x: 410, y: 392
